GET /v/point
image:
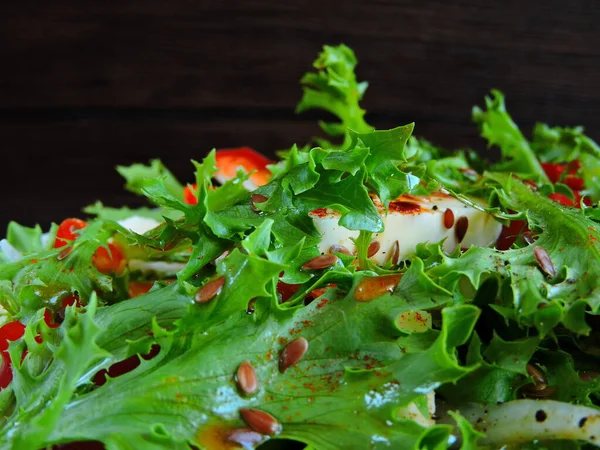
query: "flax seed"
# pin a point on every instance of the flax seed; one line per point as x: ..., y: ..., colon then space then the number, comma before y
x: 339, y: 249
x: 292, y: 353
x: 460, y: 230
x: 395, y: 253
x: 260, y: 421
x: 246, y: 378
x: 320, y: 262
x: 257, y: 198
x: 544, y: 261
x: 373, y: 249
x: 63, y: 254
x: 448, y: 218
x: 210, y: 290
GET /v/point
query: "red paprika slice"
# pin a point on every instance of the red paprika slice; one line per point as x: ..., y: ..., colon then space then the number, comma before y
x: 189, y: 196
x: 561, y: 198
x: 229, y: 160
x: 9, y: 332
x: 109, y: 261
x: 66, y: 231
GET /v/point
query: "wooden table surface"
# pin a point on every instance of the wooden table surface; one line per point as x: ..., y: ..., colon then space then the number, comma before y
x: 88, y: 85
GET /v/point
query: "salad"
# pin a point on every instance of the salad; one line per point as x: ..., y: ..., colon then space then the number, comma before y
x: 372, y: 290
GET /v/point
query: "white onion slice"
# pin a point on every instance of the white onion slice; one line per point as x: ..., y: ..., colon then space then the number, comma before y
x: 529, y: 420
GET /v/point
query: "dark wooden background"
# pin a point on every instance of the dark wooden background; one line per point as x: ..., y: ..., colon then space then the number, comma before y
x: 86, y: 85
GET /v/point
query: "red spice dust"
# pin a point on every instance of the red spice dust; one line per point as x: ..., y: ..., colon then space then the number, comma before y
x: 419, y: 318
x: 322, y: 303
x: 404, y: 207
x: 319, y: 212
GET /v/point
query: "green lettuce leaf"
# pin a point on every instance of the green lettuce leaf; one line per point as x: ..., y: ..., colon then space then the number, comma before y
x: 571, y: 243
x: 42, y: 395
x: 109, y: 213
x: 498, y: 128
x: 494, y: 381
x: 563, y: 145
x: 334, y: 386
x: 41, y: 278
x: 334, y: 88
x: 386, y: 153
x: 564, y: 378
x: 28, y: 240
x: 137, y: 174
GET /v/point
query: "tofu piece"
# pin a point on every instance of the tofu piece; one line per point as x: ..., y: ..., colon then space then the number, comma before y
x: 412, y: 220
x: 139, y: 224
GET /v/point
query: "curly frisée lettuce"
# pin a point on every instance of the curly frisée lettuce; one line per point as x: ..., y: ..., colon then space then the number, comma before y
x: 214, y: 318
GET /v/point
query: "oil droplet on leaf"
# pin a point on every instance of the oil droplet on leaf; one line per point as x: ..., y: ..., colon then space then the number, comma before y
x: 370, y: 288
x: 215, y: 436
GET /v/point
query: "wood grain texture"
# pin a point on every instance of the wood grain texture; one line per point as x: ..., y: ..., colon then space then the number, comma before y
x: 87, y: 85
